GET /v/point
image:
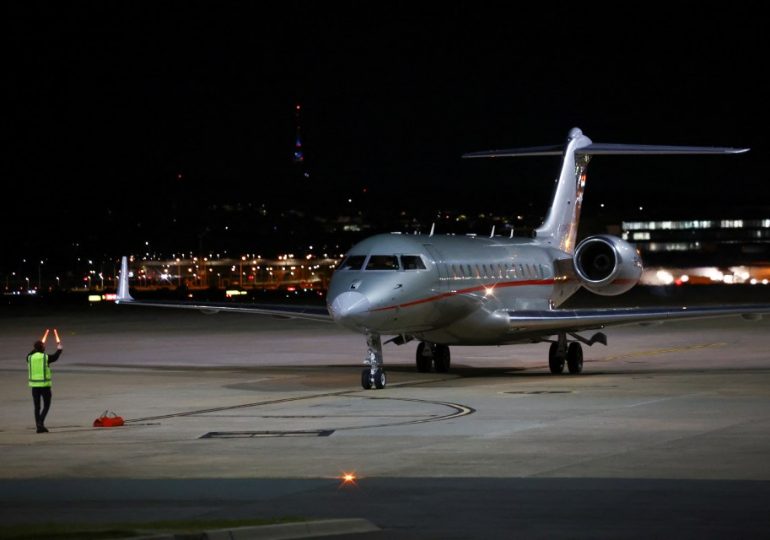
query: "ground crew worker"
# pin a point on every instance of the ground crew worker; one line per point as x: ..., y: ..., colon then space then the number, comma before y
x: 40, y: 380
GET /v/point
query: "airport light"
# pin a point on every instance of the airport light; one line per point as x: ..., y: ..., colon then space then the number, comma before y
x: 348, y: 479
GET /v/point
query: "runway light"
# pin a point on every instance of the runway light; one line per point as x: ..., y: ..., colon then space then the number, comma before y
x: 348, y: 479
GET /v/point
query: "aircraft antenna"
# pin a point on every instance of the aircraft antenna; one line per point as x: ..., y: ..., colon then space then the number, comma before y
x: 432, y: 228
x: 511, y: 233
x: 492, y: 234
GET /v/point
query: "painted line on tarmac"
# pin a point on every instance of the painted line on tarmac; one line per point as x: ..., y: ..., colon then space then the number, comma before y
x: 658, y: 352
x: 457, y: 410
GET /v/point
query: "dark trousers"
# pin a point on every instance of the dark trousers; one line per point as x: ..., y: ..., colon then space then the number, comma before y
x: 44, y: 393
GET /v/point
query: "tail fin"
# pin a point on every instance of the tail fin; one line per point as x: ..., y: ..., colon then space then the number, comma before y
x: 123, y: 294
x: 561, y: 223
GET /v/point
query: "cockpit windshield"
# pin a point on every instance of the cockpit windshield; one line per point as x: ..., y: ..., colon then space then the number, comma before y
x: 353, y: 262
x: 382, y: 262
x: 412, y: 262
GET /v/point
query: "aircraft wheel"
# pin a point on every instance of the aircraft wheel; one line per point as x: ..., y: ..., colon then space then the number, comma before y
x: 379, y: 379
x: 366, y: 379
x: 555, y: 360
x: 575, y: 358
x: 423, y: 361
x: 441, y: 358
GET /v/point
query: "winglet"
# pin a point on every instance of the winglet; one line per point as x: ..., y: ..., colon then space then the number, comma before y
x: 123, y: 294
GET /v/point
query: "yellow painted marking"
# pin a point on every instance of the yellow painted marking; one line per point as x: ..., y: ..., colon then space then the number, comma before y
x: 658, y: 352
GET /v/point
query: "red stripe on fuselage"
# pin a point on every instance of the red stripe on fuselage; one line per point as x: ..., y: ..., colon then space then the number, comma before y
x: 532, y: 282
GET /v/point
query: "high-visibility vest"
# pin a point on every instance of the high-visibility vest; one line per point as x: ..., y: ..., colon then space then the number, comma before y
x: 38, y: 370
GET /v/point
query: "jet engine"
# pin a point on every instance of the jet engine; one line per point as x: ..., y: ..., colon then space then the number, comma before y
x: 607, y: 265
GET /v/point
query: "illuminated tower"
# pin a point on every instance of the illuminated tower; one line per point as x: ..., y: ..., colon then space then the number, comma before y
x: 299, y: 155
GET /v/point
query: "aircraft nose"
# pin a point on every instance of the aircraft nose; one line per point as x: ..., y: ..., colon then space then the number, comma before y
x: 349, y: 304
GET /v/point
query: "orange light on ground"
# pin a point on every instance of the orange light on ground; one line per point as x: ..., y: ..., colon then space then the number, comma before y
x: 348, y: 479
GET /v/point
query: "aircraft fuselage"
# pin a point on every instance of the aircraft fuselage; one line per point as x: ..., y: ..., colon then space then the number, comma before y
x: 447, y: 289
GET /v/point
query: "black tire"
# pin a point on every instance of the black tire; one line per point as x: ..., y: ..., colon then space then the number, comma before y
x: 575, y: 358
x: 555, y: 361
x: 424, y: 363
x: 379, y: 379
x: 366, y: 379
x: 441, y: 358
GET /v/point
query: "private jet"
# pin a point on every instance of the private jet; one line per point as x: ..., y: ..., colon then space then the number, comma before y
x: 445, y: 290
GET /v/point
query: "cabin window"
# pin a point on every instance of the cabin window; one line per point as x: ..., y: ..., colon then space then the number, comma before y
x: 454, y: 271
x: 470, y: 272
x: 478, y: 271
x: 353, y: 262
x: 382, y: 262
x: 412, y: 262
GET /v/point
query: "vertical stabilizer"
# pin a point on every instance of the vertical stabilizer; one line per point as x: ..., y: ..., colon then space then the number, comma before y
x: 561, y: 223
x: 560, y: 226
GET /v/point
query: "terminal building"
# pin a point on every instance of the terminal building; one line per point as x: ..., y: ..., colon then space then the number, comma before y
x: 702, y: 251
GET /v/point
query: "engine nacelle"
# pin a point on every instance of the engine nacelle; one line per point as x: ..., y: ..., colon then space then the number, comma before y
x: 607, y: 265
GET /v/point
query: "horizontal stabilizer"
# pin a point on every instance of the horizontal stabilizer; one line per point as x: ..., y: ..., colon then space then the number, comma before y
x: 608, y: 149
x: 553, y: 150
x: 605, y: 149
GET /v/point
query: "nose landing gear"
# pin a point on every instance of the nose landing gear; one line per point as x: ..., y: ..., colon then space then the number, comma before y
x: 374, y: 375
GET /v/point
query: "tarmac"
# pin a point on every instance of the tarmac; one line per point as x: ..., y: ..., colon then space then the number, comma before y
x: 666, y: 433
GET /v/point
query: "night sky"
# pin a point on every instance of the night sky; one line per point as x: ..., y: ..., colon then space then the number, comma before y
x: 124, y: 120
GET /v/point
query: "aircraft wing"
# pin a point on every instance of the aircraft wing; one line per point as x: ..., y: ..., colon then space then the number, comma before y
x: 313, y: 313
x: 549, y: 322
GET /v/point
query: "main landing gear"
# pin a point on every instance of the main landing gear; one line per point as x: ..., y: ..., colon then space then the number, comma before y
x: 432, y: 355
x: 571, y: 353
x: 374, y: 375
